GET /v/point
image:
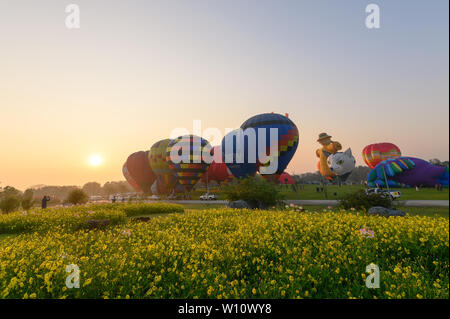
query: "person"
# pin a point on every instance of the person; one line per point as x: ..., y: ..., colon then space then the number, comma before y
x: 113, y: 199
x: 417, y: 188
x: 45, y: 199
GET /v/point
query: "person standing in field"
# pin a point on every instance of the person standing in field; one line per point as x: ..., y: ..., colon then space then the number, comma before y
x: 45, y: 199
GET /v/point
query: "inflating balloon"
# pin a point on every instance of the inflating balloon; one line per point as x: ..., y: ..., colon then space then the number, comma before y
x: 287, y: 139
x: 328, y: 147
x: 186, y: 158
x: 408, y: 171
x: 237, y: 160
x: 342, y: 164
x: 138, y: 168
x: 375, y: 153
x: 158, y: 162
x: 218, y: 170
x: 130, y: 179
x: 285, y: 178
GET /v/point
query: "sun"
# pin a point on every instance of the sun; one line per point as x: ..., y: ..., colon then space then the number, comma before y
x: 95, y: 160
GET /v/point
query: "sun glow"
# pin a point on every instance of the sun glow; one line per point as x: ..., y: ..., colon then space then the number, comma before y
x: 95, y: 160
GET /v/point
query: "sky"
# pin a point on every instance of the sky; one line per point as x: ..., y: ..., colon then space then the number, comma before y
x: 136, y: 70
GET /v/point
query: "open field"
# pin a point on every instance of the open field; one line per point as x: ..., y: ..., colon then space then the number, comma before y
x: 309, y: 192
x: 222, y: 253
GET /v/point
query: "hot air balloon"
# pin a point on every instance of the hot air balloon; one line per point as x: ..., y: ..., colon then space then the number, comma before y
x: 138, y: 168
x: 237, y: 160
x: 408, y: 171
x: 287, y: 138
x: 186, y: 158
x: 218, y: 170
x: 375, y: 153
x: 130, y: 179
x: 166, y: 179
x: 285, y: 178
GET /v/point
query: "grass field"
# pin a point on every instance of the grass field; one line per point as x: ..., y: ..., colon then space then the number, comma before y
x: 309, y: 192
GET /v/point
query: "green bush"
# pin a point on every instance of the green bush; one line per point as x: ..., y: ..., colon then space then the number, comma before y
x: 9, y: 203
x: 254, y: 191
x: 27, y: 200
x: 360, y: 200
x: 77, y: 196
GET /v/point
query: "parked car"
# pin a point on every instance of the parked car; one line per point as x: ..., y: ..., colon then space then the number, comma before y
x: 392, y: 194
x: 208, y: 196
x: 155, y: 197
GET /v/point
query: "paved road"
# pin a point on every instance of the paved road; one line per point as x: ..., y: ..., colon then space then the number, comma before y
x: 417, y: 203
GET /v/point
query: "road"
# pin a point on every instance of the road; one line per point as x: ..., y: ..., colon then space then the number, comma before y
x: 416, y: 203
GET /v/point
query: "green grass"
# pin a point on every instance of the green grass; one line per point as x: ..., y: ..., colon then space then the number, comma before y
x: 309, y: 192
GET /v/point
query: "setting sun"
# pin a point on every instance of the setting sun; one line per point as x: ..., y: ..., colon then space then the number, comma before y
x: 95, y: 160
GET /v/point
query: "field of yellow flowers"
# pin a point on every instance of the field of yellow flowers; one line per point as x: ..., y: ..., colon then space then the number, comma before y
x: 226, y: 253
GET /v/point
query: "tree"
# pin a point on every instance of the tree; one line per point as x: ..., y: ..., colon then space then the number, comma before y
x: 9, y: 203
x: 77, y: 196
x: 437, y: 162
x: 27, y: 200
x: 9, y: 191
x: 92, y: 188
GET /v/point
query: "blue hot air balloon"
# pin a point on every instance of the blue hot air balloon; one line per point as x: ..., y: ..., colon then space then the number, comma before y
x: 286, y: 136
x: 232, y: 150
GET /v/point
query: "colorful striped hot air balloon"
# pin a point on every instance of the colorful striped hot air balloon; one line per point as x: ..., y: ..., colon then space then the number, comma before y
x: 137, y: 169
x: 375, y: 153
x: 186, y: 159
x: 287, y: 139
x: 166, y: 179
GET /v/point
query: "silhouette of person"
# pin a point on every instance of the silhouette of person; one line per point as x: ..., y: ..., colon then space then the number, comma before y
x: 45, y: 199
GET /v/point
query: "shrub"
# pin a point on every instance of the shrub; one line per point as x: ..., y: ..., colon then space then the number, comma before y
x: 361, y: 200
x: 254, y: 192
x: 77, y: 196
x: 27, y: 200
x: 9, y: 203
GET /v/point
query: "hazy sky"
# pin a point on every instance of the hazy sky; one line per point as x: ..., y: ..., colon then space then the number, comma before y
x: 136, y: 70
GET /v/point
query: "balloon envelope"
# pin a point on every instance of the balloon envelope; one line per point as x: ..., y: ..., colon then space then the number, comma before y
x: 158, y: 162
x: 408, y: 171
x: 238, y: 161
x: 138, y: 167
x: 287, y: 139
x: 130, y: 179
x: 185, y: 156
x: 285, y: 178
x: 218, y: 170
x: 375, y: 153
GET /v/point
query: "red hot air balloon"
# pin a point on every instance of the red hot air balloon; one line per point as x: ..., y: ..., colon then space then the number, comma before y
x: 130, y: 179
x: 218, y: 170
x: 285, y: 178
x: 138, y: 168
x: 375, y: 153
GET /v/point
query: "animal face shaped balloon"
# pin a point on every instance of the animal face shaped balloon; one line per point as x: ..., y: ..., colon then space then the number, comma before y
x: 342, y: 162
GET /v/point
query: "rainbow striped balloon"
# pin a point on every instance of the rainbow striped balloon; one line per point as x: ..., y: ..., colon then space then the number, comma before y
x: 185, y: 156
x: 376, y: 153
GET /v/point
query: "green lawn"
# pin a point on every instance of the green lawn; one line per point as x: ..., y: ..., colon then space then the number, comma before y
x: 335, y: 192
